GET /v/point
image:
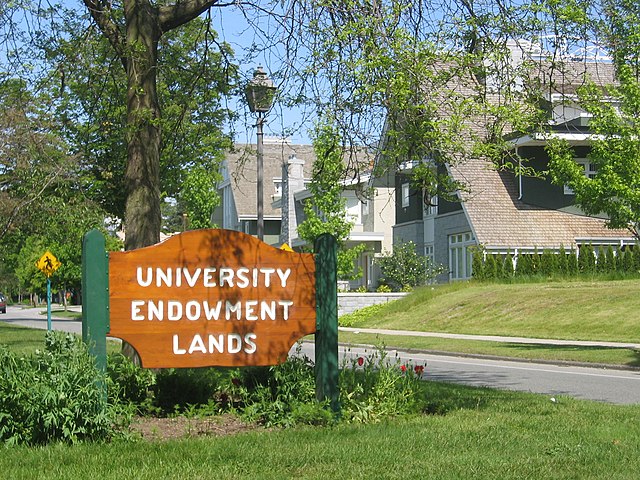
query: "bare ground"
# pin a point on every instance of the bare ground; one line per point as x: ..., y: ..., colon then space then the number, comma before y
x: 160, y: 429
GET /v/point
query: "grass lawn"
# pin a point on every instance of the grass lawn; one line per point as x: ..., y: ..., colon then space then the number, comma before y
x: 26, y: 340
x: 579, y: 310
x: 600, y: 355
x: 477, y: 433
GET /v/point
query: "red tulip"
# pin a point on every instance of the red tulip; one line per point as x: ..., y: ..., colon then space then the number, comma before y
x: 360, y: 361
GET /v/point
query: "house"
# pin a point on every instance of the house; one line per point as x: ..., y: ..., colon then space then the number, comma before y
x: 504, y: 212
x: 287, y: 172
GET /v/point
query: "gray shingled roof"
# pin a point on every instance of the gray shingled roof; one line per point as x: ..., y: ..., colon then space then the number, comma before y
x: 500, y: 220
x: 241, y: 163
x: 497, y: 217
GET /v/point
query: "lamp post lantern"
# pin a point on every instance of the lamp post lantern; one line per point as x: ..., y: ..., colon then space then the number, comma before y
x: 260, y: 92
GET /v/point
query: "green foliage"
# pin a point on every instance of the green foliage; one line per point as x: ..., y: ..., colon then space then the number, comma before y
x: 373, y: 387
x: 54, y: 395
x: 548, y: 263
x: 586, y: 259
x: 325, y: 210
x: 404, y: 267
x: 129, y: 383
x: 199, y: 195
x: 572, y: 263
x: 559, y: 264
x: 360, y: 315
x: 176, y: 388
x: 508, y: 270
x: 347, y: 258
x: 477, y: 263
x: 282, y: 395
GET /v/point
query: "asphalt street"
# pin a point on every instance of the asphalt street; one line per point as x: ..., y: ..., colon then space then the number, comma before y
x: 600, y: 384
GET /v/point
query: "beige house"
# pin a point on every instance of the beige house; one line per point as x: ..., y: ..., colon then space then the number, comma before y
x: 287, y: 172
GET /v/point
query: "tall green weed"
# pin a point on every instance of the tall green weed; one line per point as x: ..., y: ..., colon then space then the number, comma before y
x: 54, y: 395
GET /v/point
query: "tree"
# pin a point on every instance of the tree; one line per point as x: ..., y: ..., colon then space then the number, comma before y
x: 614, y: 188
x: 325, y: 211
x: 134, y: 31
x: 191, y: 82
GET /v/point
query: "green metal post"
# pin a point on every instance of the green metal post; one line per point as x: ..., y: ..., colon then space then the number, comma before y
x: 49, y: 327
x: 326, y: 250
x: 95, y: 296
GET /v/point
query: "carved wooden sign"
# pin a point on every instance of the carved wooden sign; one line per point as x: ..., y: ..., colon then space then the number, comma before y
x: 211, y: 298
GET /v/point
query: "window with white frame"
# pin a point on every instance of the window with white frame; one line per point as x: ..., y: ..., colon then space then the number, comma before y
x: 431, y: 210
x: 277, y: 185
x: 460, y: 255
x: 428, y: 253
x: 405, y: 194
x: 589, y: 171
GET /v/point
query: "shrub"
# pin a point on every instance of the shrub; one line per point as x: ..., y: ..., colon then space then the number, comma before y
x: 586, y: 259
x: 54, y: 395
x: 360, y: 315
x: 490, y: 267
x: 572, y: 263
x: 548, y: 263
x: 129, y: 383
x: 507, y: 269
x: 404, y: 267
x: 282, y: 395
x: 177, y: 388
x: 562, y: 263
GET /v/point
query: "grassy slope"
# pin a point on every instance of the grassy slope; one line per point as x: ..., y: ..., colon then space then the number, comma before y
x: 572, y: 310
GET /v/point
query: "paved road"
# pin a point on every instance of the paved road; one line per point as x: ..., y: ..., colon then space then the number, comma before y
x: 607, y: 385
x: 37, y: 318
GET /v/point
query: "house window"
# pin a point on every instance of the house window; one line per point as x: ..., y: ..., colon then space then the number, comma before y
x: 365, y: 207
x: 431, y: 210
x: 428, y: 253
x: 460, y: 255
x: 589, y: 170
x: 277, y: 184
x: 405, y: 194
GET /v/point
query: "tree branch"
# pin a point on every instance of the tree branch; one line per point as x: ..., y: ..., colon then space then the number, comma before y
x: 100, y: 12
x: 181, y: 12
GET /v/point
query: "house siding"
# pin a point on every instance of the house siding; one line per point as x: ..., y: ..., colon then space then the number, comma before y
x: 409, y: 232
x: 413, y: 211
x: 540, y: 191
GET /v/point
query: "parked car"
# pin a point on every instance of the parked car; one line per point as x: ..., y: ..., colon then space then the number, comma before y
x: 3, y: 303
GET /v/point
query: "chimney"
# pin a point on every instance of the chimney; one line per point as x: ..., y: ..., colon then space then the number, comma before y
x: 292, y: 182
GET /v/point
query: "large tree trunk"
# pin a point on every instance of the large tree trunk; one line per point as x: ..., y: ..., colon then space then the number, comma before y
x: 142, y: 176
x: 137, y: 46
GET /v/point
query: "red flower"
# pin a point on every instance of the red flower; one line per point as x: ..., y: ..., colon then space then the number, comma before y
x: 403, y: 368
x: 419, y: 369
x: 360, y: 361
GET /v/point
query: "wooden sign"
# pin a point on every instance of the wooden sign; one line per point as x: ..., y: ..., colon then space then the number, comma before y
x: 211, y: 298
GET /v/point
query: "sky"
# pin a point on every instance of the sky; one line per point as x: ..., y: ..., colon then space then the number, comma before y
x: 233, y: 28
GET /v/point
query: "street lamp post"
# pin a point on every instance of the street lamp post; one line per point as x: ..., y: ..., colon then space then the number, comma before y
x: 260, y: 92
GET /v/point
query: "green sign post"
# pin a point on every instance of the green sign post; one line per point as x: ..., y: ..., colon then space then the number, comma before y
x: 326, y: 249
x: 95, y: 296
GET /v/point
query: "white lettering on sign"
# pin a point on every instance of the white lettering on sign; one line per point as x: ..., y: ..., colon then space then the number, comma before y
x: 175, y: 310
x: 211, y: 277
x: 231, y: 343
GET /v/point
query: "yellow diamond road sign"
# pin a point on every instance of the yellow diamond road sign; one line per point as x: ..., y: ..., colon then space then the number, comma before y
x: 48, y: 263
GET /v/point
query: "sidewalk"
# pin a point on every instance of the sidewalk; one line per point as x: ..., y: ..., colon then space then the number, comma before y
x: 493, y: 338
